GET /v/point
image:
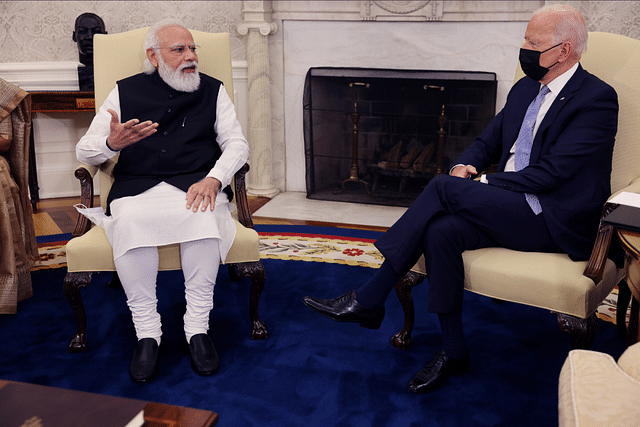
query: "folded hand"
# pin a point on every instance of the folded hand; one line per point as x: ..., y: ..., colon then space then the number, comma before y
x: 464, y: 171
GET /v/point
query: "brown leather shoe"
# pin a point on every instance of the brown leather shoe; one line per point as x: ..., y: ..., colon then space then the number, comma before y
x: 345, y: 308
x: 144, y: 364
x: 441, y: 367
x: 204, y: 357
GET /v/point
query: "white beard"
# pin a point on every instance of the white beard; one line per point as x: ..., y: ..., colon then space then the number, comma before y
x: 183, y: 82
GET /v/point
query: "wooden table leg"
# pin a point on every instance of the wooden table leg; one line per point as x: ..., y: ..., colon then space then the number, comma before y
x: 633, y: 334
x: 34, y: 190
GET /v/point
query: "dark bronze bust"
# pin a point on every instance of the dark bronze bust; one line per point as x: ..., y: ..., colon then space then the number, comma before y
x: 87, y: 24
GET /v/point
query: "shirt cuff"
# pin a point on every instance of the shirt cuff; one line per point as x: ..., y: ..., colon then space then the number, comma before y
x: 219, y: 176
x: 106, y: 141
x: 454, y: 166
x: 483, y: 179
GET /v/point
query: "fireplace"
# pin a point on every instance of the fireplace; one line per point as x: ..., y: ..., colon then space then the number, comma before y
x: 378, y: 136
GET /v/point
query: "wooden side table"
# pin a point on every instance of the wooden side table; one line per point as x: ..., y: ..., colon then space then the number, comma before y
x: 630, y: 242
x: 53, y: 102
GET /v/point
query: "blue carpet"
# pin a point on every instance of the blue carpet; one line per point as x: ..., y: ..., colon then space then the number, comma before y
x: 65, y: 237
x: 310, y: 371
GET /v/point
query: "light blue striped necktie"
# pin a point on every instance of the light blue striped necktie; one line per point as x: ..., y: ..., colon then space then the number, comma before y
x: 525, y: 142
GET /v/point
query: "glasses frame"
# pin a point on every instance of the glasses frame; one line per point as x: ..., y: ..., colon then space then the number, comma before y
x: 179, y: 49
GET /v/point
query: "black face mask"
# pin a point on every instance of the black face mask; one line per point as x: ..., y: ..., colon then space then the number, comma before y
x: 530, y: 63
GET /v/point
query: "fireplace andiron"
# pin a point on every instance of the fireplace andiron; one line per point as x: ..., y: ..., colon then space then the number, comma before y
x: 355, y: 116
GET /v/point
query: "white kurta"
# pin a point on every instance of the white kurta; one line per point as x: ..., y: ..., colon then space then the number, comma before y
x: 159, y: 215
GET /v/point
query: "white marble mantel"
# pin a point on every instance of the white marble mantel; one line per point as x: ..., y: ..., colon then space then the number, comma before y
x: 450, y: 35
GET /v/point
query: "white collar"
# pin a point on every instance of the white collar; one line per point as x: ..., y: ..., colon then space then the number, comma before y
x: 556, y: 85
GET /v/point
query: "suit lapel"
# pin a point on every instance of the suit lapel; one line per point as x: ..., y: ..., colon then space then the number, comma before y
x: 561, y: 100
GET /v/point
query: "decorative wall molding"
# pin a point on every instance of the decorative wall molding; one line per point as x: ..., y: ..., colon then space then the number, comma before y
x: 405, y: 11
x: 381, y: 10
x: 256, y: 15
x: 41, y: 76
x: 63, y: 76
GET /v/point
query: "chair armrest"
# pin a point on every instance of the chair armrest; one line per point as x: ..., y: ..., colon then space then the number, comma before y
x: 244, y: 214
x: 600, y: 251
x: 595, y: 266
x: 91, y: 170
x: 85, y: 174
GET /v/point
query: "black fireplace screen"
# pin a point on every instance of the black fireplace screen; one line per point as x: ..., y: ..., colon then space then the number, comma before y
x: 378, y: 136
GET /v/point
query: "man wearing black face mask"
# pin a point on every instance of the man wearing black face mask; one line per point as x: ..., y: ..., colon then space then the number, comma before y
x: 553, y: 143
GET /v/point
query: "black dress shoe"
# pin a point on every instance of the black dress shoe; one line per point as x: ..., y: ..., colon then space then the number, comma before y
x: 441, y: 367
x: 144, y: 364
x: 345, y: 308
x: 204, y: 357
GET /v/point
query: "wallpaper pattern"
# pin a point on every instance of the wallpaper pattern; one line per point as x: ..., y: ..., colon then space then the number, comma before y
x: 618, y: 17
x: 40, y: 31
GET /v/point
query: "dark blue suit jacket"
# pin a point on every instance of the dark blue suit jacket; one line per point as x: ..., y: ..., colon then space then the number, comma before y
x: 570, y: 164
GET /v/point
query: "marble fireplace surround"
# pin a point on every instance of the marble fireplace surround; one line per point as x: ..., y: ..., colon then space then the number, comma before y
x: 436, y: 35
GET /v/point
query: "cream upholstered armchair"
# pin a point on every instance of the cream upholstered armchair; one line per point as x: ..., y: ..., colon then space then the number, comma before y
x: 596, y: 391
x: 121, y: 55
x: 572, y: 290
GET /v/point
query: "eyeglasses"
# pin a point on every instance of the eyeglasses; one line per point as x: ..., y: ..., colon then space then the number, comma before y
x: 179, y: 50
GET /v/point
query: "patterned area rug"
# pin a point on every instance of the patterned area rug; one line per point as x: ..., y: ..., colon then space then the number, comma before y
x: 301, y: 243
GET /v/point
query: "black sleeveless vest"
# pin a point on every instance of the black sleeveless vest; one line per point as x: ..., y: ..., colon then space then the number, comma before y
x: 184, y: 148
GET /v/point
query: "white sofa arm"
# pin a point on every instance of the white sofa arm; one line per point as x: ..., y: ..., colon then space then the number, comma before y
x: 596, y: 391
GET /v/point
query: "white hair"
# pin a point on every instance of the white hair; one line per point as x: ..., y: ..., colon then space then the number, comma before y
x: 152, y: 41
x: 570, y: 26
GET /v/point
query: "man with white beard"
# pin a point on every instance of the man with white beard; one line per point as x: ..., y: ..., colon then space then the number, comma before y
x: 180, y: 145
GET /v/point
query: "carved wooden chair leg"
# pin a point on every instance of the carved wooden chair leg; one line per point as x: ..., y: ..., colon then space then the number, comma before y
x: 402, y: 339
x: 582, y: 331
x: 255, y: 272
x: 624, y: 296
x: 73, y: 282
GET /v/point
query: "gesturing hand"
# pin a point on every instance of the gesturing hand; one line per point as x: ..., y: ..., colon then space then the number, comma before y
x: 203, y: 193
x: 124, y: 134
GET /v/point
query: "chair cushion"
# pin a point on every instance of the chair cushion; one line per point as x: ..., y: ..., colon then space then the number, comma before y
x: 92, y: 251
x: 549, y: 281
x: 594, y: 391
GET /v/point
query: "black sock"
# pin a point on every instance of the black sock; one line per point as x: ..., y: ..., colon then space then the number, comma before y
x: 374, y: 293
x: 452, y: 334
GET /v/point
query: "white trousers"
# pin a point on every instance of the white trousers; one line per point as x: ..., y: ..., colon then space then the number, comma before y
x: 138, y: 271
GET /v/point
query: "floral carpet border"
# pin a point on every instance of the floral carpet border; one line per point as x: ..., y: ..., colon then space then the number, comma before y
x: 320, y: 248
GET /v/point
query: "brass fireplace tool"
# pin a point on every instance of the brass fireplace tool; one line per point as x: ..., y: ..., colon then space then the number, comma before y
x: 355, y: 117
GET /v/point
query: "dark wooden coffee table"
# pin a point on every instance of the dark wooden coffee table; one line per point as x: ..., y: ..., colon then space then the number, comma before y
x: 22, y: 403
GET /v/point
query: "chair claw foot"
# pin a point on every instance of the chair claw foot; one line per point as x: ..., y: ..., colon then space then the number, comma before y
x: 259, y: 330
x: 402, y: 340
x: 77, y: 344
